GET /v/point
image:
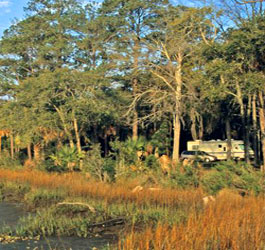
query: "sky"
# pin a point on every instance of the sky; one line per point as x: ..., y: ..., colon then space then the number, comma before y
x: 9, y: 10
x: 13, y: 9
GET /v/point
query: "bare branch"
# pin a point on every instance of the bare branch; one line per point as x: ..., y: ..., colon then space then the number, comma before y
x: 248, y: 1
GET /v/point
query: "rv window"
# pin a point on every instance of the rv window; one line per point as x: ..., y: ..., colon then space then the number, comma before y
x: 195, y: 147
x: 219, y: 146
x: 241, y: 146
x: 224, y: 148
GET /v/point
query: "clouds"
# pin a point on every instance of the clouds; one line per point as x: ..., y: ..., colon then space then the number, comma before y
x: 5, y: 4
x: 96, y: 3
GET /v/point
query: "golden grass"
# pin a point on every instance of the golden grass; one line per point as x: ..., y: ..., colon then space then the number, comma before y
x: 232, y: 222
x: 76, y: 185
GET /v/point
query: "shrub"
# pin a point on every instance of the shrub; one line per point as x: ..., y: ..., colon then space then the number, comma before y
x: 66, y: 158
x: 109, y: 168
x: 94, y: 162
x: 231, y: 175
x: 126, y: 152
x: 188, y: 178
x: 151, y: 162
x: 7, y: 162
x: 215, y: 180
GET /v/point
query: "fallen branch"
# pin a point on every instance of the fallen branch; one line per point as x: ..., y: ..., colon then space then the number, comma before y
x: 109, y: 223
x: 79, y: 204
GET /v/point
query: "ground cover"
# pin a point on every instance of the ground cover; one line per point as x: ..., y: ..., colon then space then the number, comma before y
x: 144, y: 212
x: 68, y: 204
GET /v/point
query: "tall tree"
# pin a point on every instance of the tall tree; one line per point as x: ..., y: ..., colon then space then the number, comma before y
x: 131, y: 22
x: 171, y: 57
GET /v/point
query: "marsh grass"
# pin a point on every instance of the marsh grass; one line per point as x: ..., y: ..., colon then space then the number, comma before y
x: 167, y: 218
x: 43, y: 198
x: 77, y: 220
x: 75, y: 185
x: 232, y: 222
x: 110, y: 201
x: 13, y: 191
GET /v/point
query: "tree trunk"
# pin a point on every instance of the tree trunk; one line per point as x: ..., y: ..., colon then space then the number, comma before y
x: 135, y: 113
x: 135, y: 125
x: 78, y: 141
x: 176, y: 140
x: 193, y: 125
x: 201, y: 128
x: 12, y: 146
x: 0, y: 144
x: 262, y: 125
x: 66, y: 130
x: 77, y: 136
x: 248, y: 114
x: 177, y: 116
x: 135, y: 82
x: 244, y: 119
x: 37, y: 151
x: 229, y: 139
x: 255, y: 133
x: 29, y: 151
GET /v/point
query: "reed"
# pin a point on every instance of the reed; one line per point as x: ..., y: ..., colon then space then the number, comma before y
x: 44, y: 191
x: 75, y: 184
x: 232, y: 222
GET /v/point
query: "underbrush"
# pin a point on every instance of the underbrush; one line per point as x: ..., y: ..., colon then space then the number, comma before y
x: 240, y: 176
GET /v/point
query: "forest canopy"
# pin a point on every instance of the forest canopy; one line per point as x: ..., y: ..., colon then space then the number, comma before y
x: 77, y: 77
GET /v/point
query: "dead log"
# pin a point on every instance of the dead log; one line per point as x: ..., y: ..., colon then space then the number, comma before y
x: 78, y: 204
x: 108, y: 223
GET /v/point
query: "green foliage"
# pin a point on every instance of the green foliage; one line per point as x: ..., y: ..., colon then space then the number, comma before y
x: 7, y: 162
x: 161, y: 139
x: 150, y: 162
x: 126, y: 152
x: 215, y: 180
x: 67, y: 66
x: 94, y: 163
x: 187, y: 178
x: 109, y: 167
x: 231, y: 175
x: 66, y: 158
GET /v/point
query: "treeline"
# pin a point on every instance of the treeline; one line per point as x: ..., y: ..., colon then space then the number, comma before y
x: 76, y: 74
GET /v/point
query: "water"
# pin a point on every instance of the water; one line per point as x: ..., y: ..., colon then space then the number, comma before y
x: 53, y: 243
x: 10, y: 214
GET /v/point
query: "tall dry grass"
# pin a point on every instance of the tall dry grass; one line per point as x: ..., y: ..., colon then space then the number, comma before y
x: 75, y: 184
x: 232, y: 222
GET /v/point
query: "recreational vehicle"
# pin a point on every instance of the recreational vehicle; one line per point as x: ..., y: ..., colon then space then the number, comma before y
x: 219, y: 148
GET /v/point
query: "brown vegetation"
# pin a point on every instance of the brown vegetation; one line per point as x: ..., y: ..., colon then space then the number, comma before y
x: 76, y: 184
x: 232, y: 222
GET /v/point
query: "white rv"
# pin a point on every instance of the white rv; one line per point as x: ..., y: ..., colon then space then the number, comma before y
x: 218, y: 148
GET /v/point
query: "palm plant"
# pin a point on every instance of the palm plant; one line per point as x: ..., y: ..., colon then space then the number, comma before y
x: 67, y: 157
